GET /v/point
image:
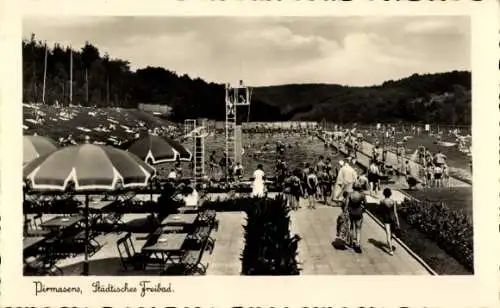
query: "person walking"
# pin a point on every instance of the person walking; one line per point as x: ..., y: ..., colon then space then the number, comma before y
x: 389, y: 215
x: 374, y: 177
x: 355, y: 205
x: 345, y: 180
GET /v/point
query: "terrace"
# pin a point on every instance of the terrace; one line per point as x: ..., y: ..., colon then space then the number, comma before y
x: 316, y: 253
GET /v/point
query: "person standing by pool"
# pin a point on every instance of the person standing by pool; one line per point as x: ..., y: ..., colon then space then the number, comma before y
x: 428, y: 176
x: 446, y: 175
x: 312, y: 188
x: 439, y: 158
x: 295, y: 189
x: 320, y: 166
x: 325, y: 185
x: 212, y: 161
x: 172, y: 175
x: 356, y: 207
x: 178, y: 167
x: 389, y: 215
x: 374, y: 177
x: 438, y: 176
x: 222, y: 166
x: 238, y: 172
x: 258, y: 187
x: 400, y: 152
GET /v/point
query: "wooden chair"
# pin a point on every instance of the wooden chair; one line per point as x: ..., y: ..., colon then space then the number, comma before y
x: 31, y: 230
x: 37, y: 219
x: 43, y: 264
x: 202, y: 236
x: 128, y: 254
x: 192, y: 260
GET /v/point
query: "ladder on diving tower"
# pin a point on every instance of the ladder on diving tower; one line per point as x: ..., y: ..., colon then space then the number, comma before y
x: 198, y: 135
x: 199, y: 159
x: 230, y: 130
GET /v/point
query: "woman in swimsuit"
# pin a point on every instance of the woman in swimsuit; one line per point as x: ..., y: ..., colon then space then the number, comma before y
x: 295, y: 189
x: 374, y: 177
x: 312, y: 188
x: 355, y: 208
x: 389, y: 215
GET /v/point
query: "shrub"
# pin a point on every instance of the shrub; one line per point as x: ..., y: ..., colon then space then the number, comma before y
x: 269, y: 247
x: 450, y: 229
x: 228, y: 205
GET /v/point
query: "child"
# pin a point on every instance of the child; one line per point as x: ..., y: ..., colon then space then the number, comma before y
x: 343, y: 221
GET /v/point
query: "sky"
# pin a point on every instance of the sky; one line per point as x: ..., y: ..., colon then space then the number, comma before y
x: 356, y: 51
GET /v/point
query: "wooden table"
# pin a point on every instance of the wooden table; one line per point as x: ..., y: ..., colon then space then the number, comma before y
x: 179, y: 219
x: 165, y: 246
x: 98, y: 205
x: 188, y: 209
x: 32, y: 241
x: 60, y: 222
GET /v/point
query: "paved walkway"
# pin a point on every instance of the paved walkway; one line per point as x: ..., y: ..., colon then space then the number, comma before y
x: 229, y: 243
x: 318, y: 256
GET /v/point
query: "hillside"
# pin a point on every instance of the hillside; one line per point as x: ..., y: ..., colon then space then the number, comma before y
x: 102, y: 81
x: 439, y: 98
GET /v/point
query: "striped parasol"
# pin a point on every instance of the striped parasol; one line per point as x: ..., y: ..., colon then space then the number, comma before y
x: 87, y: 167
x: 157, y: 150
x: 36, y: 146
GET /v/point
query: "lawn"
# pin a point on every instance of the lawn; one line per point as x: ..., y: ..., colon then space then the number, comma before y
x: 120, y: 124
x: 457, y: 198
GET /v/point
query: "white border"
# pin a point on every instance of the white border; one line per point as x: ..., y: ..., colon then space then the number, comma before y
x: 480, y: 290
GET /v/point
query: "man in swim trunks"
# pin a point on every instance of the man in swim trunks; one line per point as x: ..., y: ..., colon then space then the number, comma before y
x: 440, y: 158
x: 421, y: 155
x: 325, y: 185
x: 238, y: 171
x: 222, y: 165
x: 320, y: 166
x: 280, y: 171
x: 438, y: 176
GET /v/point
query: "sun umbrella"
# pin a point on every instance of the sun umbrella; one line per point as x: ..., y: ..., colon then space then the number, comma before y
x: 36, y: 146
x: 157, y: 150
x: 87, y: 168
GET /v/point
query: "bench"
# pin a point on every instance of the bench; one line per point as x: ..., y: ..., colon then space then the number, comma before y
x: 93, y: 245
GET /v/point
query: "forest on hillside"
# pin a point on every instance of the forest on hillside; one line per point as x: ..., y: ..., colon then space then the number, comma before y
x: 103, y: 81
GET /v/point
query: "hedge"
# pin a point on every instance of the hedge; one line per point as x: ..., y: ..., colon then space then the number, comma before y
x: 450, y: 229
x: 269, y: 247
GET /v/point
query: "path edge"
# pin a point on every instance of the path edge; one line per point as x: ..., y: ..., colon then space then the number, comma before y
x: 427, y: 267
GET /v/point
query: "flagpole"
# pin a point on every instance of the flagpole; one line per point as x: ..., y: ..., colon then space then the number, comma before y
x: 71, y: 76
x: 44, y: 74
x: 86, y: 86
